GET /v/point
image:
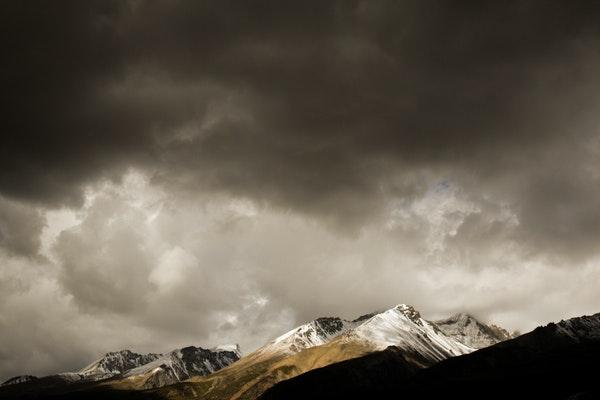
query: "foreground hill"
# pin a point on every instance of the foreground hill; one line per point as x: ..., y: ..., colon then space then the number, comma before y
x: 558, y: 361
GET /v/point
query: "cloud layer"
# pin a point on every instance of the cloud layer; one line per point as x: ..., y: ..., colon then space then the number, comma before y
x: 219, y: 171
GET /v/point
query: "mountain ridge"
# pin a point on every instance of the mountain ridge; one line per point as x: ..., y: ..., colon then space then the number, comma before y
x: 315, y: 344
x: 322, y: 342
x: 141, y: 371
x: 555, y: 361
x: 471, y: 332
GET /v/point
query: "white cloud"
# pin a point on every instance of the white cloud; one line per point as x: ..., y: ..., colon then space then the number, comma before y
x: 140, y: 268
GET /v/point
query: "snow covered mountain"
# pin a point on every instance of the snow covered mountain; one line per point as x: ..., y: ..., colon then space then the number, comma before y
x: 557, y: 361
x: 131, y: 370
x: 403, y: 327
x: 182, y: 364
x: 115, y: 363
x: 325, y: 341
x: 314, y: 333
x: 471, y: 332
x: 219, y: 373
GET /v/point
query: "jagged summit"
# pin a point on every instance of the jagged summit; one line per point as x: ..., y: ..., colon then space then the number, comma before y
x: 182, y: 364
x: 409, y: 312
x: 314, y: 333
x: 403, y: 326
x: 234, y: 348
x: 366, y: 316
x: 114, y: 363
x: 579, y: 329
x: 471, y: 332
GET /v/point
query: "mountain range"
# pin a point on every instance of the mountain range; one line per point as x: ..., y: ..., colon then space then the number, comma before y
x: 390, y: 354
x: 221, y: 374
x: 558, y: 361
x: 136, y: 371
x: 322, y: 342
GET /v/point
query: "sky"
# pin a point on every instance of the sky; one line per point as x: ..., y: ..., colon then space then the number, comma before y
x: 179, y: 173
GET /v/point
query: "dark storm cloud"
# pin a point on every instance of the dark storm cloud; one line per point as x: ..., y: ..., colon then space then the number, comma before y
x: 20, y: 228
x: 320, y: 107
x: 232, y: 169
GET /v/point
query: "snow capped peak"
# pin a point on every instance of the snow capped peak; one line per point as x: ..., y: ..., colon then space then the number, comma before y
x: 403, y: 327
x: 233, y: 348
x: 409, y: 312
x: 311, y: 334
x: 365, y: 317
x: 114, y: 363
x: 464, y: 317
x: 181, y: 364
x: 400, y: 326
x: 471, y: 332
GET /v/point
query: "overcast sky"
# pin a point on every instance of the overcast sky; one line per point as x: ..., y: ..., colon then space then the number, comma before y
x: 196, y: 173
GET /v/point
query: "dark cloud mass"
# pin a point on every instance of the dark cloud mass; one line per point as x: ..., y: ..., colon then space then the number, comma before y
x: 20, y: 228
x: 427, y: 139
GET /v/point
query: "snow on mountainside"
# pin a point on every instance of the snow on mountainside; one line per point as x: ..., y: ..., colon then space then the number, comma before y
x: 19, y: 379
x: 182, y: 364
x: 403, y: 327
x: 400, y: 326
x: 322, y: 342
x: 471, y: 332
x: 557, y: 361
x: 141, y: 370
x: 115, y: 363
x: 314, y: 333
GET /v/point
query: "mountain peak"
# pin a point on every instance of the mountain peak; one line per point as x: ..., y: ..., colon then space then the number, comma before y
x: 408, y: 311
x: 124, y: 352
x: 184, y: 363
x: 233, y: 348
x: 116, y: 362
x: 366, y: 316
x: 402, y: 326
x: 471, y: 332
x: 580, y: 328
x: 311, y: 334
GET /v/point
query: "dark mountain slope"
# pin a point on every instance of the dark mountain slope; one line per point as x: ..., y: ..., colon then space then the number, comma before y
x: 370, y: 377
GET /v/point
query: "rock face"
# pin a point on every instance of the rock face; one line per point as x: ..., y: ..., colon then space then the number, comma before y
x: 182, y: 364
x: 582, y: 329
x: 471, y: 332
x: 115, y: 363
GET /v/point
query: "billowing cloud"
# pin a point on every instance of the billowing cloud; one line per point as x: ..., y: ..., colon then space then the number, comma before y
x: 20, y: 228
x: 194, y: 170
